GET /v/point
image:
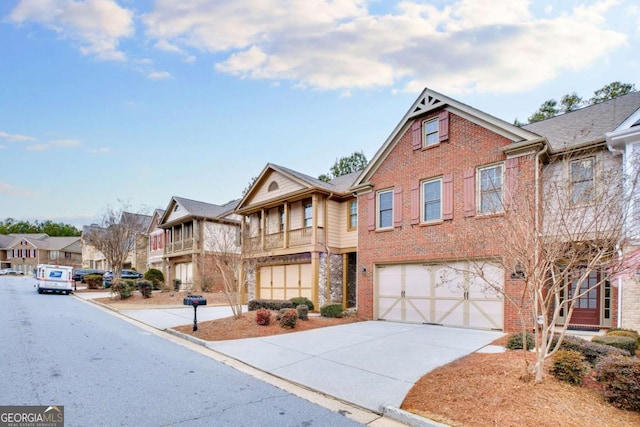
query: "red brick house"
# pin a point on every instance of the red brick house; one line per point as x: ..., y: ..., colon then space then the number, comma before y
x: 423, y: 199
x: 445, y: 176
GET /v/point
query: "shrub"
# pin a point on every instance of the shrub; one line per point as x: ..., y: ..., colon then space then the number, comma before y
x: 176, y: 284
x: 625, y: 343
x: 569, y: 366
x: 124, y: 288
x: 332, y: 310
x: 269, y: 304
x: 288, y: 318
x: 514, y: 342
x: 302, y: 300
x: 620, y: 378
x: 155, y: 276
x: 303, y: 311
x: 618, y: 332
x: 145, y: 287
x: 93, y: 281
x: 263, y: 317
x: 592, y: 351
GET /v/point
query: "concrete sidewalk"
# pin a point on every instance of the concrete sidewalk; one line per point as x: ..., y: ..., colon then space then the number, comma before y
x: 371, y: 364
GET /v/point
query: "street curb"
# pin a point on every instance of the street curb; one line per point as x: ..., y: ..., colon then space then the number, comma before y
x: 408, y: 418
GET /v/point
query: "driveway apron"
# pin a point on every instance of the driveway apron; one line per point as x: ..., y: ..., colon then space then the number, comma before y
x: 372, y: 364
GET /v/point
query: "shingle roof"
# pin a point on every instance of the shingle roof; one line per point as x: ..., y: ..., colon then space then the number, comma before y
x: 340, y: 184
x: 42, y: 241
x: 207, y: 210
x: 587, y: 124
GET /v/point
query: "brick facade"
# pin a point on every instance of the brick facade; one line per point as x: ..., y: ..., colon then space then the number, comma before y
x: 469, y: 146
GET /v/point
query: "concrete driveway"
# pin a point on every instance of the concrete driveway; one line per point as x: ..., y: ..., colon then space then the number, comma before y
x: 371, y: 364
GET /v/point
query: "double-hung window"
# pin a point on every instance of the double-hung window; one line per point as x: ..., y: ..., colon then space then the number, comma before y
x: 432, y: 200
x: 430, y: 130
x: 308, y: 214
x: 582, y: 181
x: 490, y: 189
x: 385, y: 209
x: 353, y: 215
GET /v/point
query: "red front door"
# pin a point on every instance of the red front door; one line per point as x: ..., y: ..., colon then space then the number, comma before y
x: 586, y: 309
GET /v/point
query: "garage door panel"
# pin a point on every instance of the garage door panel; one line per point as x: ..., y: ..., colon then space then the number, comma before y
x: 452, y: 294
x: 285, y: 281
x: 389, y: 279
x: 416, y: 281
x: 389, y: 308
x: 305, y: 276
x: 417, y: 310
x: 486, y: 313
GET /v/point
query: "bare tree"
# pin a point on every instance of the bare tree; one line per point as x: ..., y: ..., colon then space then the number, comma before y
x: 115, y: 235
x: 560, y: 247
x: 225, y: 258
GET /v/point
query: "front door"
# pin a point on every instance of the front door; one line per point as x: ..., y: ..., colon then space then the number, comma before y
x: 586, y: 309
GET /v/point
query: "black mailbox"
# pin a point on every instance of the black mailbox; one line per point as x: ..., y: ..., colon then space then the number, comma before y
x: 195, y: 301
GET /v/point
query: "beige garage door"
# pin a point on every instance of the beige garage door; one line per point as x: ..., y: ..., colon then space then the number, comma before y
x: 285, y: 281
x: 455, y: 294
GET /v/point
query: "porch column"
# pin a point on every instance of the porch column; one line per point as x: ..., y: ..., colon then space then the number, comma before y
x: 286, y: 225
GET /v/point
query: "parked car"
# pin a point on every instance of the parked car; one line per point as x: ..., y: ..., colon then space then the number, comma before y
x: 78, y: 275
x: 10, y: 272
x: 125, y: 274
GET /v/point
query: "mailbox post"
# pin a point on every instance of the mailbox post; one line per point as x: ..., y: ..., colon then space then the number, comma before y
x: 195, y: 301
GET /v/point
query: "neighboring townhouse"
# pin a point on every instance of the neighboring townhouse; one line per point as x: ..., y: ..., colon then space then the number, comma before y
x: 92, y: 257
x: 137, y: 257
x: 439, y: 178
x: 587, y: 149
x: 300, y: 237
x: 25, y: 251
x: 191, y: 230
x: 624, y: 139
x: 155, y: 249
x: 447, y: 172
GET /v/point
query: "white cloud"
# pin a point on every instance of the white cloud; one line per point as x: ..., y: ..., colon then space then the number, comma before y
x: 101, y: 150
x: 65, y: 143
x: 159, y: 75
x: 12, y: 190
x: 16, y: 137
x: 96, y: 25
x: 38, y: 147
x: 460, y: 47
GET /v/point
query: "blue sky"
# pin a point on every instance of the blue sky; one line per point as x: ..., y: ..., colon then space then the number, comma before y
x: 112, y: 102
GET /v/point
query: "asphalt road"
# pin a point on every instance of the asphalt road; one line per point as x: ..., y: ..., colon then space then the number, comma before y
x: 57, y: 350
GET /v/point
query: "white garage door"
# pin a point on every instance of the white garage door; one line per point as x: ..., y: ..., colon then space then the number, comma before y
x: 285, y: 281
x: 455, y: 294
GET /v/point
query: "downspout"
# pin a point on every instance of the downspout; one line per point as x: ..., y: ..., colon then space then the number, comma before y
x: 619, y: 311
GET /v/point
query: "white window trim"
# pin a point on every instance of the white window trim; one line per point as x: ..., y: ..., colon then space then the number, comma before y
x: 422, y: 201
x: 479, y: 188
x: 425, y: 134
x: 378, y: 194
x: 593, y: 181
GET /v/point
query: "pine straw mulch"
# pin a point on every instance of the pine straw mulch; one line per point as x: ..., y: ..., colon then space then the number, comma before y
x: 477, y: 390
x: 489, y: 390
x: 230, y: 328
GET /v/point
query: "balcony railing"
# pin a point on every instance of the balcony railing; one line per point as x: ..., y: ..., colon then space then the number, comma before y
x: 179, y: 246
x: 297, y: 238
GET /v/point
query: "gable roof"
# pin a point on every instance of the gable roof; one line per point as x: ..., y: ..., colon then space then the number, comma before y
x: 339, y: 186
x: 588, y: 124
x: 195, y: 208
x: 43, y: 241
x: 430, y: 101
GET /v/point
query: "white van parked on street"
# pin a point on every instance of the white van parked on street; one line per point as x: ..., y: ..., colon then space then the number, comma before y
x: 54, y: 278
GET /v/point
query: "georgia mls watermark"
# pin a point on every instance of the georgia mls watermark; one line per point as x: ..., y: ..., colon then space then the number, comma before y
x: 31, y: 416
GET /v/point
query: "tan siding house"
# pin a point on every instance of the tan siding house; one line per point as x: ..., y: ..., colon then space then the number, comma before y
x: 296, y: 237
